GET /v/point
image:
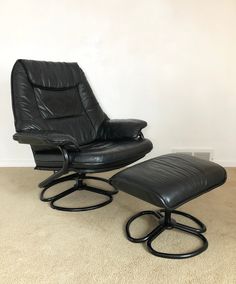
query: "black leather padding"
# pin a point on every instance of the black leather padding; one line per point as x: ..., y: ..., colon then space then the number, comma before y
x: 54, y: 106
x: 170, y: 180
x: 55, y: 96
x: 118, y: 129
x: 97, y: 155
x: 52, y: 75
x: 67, y: 104
x: 46, y: 138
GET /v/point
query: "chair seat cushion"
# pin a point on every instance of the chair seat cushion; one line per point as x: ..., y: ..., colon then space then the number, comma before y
x: 97, y: 155
x: 170, y: 180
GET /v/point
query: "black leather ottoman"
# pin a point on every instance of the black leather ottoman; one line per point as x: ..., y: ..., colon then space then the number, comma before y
x: 169, y: 181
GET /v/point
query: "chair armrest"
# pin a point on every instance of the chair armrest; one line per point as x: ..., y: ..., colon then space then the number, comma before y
x: 47, y: 138
x: 121, y: 129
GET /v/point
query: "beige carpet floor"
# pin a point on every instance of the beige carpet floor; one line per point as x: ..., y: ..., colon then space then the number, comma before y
x: 41, y: 245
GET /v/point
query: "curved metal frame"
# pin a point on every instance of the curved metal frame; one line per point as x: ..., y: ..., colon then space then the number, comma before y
x: 79, y: 185
x: 79, y: 178
x: 167, y: 223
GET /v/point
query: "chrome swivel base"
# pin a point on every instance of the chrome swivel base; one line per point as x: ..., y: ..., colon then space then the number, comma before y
x: 79, y: 185
x: 165, y: 222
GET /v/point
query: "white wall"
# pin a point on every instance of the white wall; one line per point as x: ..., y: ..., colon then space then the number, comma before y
x: 169, y: 62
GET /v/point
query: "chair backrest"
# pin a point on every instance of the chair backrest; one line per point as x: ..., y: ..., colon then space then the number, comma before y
x: 54, y: 96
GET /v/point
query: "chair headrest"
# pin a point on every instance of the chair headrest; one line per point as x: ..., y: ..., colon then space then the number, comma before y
x: 53, y: 75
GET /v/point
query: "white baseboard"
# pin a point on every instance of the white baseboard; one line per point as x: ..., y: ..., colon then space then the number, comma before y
x: 17, y: 163
x: 31, y: 163
x: 226, y: 164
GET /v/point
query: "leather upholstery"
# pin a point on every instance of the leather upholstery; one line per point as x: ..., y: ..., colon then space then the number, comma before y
x: 44, y: 138
x: 52, y: 75
x: 98, y: 155
x: 55, y: 96
x: 121, y: 129
x: 54, y: 105
x: 170, y: 180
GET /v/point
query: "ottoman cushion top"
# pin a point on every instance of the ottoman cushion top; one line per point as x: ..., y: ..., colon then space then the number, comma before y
x: 170, y: 180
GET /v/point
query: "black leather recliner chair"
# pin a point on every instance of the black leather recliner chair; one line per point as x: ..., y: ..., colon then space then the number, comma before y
x: 57, y: 113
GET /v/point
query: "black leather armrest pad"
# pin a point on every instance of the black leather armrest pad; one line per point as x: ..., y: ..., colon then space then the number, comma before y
x: 116, y: 129
x: 48, y: 138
